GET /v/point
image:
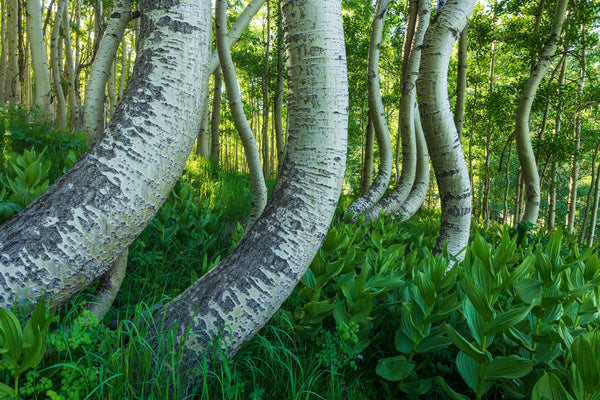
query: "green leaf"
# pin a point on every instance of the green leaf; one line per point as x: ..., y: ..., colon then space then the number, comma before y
x: 403, y: 343
x: 418, y: 387
x: 426, y: 288
x: 453, y: 394
x: 591, y: 266
x: 529, y: 290
x: 507, y: 319
x: 308, y: 279
x: 507, y: 367
x: 464, y: 345
x: 6, y: 391
x: 482, y: 250
x: 469, y: 371
x: 548, y: 387
x: 12, y: 335
x: 587, y: 363
x: 394, y: 368
x: 477, y: 297
x: 433, y: 343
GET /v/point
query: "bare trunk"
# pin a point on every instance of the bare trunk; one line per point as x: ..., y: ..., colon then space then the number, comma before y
x: 237, y: 297
x: 70, y: 71
x: 215, y: 137
x: 60, y: 108
x: 461, y: 82
x: 93, y: 107
x: 366, y: 177
x: 73, y: 233
x: 42, y: 89
x: 278, y: 102
x: 265, y: 99
x: 13, y: 83
x: 377, y: 114
x: 442, y: 138
x: 577, y: 134
x: 259, y: 189
x: 524, y: 149
x: 408, y: 108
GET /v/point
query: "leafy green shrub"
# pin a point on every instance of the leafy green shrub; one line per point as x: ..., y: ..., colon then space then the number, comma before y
x: 22, y: 348
x: 26, y: 176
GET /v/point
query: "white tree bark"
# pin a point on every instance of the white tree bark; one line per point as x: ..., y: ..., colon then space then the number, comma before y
x: 524, y: 149
x: 377, y: 113
x: 55, y: 59
x: 72, y: 96
x: 392, y: 203
x: 74, y: 232
x: 42, y: 90
x: 442, y: 138
x: 13, y: 84
x: 257, y: 180
x: 415, y: 199
x: 239, y: 295
x: 93, y: 106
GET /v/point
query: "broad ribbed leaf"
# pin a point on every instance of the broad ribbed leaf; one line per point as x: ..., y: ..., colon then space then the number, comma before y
x: 477, y: 297
x: 463, y: 344
x: 426, y: 288
x: 507, y: 319
x: 394, y: 368
x: 507, y: 367
x: 468, y: 369
x: 433, y: 343
x: 548, y: 387
x: 6, y: 391
x: 403, y: 343
x: 12, y: 335
x: 529, y: 290
x: 587, y: 363
x: 449, y: 391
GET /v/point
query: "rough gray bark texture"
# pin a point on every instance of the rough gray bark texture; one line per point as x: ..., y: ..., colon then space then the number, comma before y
x: 408, y: 109
x: 74, y: 232
x: 417, y: 194
x: 442, y: 138
x: 239, y: 295
x: 377, y: 114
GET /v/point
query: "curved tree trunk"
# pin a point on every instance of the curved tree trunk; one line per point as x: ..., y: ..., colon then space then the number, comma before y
x: 415, y: 199
x: 39, y: 62
x: 60, y: 106
x: 237, y: 297
x: 577, y: 134
x: 265, y: 99
x: 203, y: 140
x: 95, y: 91
x: 215, y: 118
x: 524, y: 149
x: 13, y: 83
x: 92, y: 213
x: 398, y: 196
x: 377, y: 113
x: 461, y: 82
x: 366, y: 176
x: 442, y: 138
x: 259, y: 189
x: 278, y: 101
x: 70, y: 72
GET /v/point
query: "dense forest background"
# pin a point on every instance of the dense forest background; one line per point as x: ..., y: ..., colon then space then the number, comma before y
x: 382, y: 311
